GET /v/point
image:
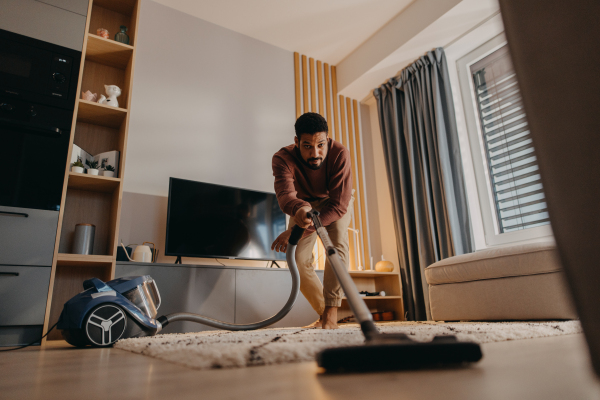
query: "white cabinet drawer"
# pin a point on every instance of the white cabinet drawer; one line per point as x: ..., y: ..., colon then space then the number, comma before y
x: 23, y: 294
x: 27, y: 236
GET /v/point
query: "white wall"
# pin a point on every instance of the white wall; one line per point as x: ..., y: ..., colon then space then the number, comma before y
x: 209, y: 104
x: 381, y: 217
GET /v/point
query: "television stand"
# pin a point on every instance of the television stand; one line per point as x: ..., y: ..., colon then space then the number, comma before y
x: 178, y: 260
x: 274, y: 262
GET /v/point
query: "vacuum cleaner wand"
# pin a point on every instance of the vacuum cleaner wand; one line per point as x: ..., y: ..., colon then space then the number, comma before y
x: 383, y: 351
x: 357, y: 304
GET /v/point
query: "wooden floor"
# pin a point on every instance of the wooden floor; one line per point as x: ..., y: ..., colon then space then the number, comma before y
x: 546, y: 368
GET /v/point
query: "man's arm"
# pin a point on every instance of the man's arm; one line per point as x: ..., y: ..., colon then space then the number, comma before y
x: 284, y: 187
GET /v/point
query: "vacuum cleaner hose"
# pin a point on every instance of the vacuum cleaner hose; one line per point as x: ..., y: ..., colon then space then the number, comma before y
x: 296, y: 235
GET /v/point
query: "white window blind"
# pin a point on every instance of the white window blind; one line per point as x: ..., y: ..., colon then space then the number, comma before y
x: 514, y: 173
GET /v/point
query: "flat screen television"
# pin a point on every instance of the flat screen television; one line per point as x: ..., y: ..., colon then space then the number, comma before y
x: 215, y: 221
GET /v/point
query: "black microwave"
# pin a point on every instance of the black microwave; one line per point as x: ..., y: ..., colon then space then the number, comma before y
x: 37, y: 71
x: 38, y: 85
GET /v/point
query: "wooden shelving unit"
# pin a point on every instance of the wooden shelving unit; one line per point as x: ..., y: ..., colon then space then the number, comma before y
x: 373, y: 281
x: 96, y: 128
x: 371, y: 274
x: 93, y: 183
x: 108, y: 52
x: 80, y: 260
x: 101, y: 115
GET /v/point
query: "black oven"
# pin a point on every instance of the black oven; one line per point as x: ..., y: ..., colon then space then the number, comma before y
x: 38, y: 84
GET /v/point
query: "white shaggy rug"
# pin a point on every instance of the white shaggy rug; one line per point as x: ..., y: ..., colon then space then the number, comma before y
x: 224, y: 349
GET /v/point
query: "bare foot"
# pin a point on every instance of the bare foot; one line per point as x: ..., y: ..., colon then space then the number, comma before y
x: 316, y: 324
x: 330, y: 318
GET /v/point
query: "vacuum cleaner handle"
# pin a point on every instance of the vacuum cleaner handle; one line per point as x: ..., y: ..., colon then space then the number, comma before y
x: 296, y: 235
x: 357, y: 304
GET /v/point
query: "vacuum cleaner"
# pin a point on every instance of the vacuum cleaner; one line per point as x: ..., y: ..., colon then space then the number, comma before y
x: 383, y: 351
x: 127, y: 307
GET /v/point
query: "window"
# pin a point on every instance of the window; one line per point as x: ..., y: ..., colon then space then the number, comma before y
x: 506, y: 192
x: 514, y: 176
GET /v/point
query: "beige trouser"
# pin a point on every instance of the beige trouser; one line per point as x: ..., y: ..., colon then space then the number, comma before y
x: 330, y: 292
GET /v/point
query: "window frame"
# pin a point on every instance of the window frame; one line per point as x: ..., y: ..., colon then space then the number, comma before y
x: 491, y: 225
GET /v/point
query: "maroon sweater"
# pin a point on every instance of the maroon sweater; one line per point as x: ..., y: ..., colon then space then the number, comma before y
x: 296, y: 185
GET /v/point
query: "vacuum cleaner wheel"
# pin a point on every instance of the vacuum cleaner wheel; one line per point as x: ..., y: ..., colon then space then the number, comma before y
x: 75, y: 337
x: 104, y: 325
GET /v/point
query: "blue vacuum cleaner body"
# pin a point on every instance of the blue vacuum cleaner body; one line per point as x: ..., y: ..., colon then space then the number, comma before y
x: 127, y: 307
x: 106, y: 312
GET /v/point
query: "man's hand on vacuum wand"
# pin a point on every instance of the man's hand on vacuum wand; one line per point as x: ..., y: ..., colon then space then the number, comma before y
x: 301, y: 219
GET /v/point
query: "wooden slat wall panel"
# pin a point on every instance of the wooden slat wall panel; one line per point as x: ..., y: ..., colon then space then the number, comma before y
x: 352, y: 147
x: 297, y: 83
x: 344, y: 141
x: 320, y: 87
x: 328, y: 102
x: 313, y: 97
x: 335, y: 104
x: 361, y: 193
x: 304, y: 84
x: 316, y: 91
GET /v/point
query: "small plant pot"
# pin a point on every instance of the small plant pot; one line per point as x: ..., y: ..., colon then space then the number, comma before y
x: 79, y: 170
x: 93, y: 171
x: 109, y: 174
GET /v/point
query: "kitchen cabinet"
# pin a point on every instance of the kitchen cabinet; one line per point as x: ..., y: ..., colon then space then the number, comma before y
x: 232, y: 294
x: 44, y: 22
x: 23, y: 293
x: 27, y: 236
x: 77, y: 6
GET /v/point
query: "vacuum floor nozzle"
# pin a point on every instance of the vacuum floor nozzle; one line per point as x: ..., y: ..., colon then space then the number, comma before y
x: 403, y: 354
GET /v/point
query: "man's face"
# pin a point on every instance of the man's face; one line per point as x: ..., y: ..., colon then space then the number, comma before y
x: 313, y: 148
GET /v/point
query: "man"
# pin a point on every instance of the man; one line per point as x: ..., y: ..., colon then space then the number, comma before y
x: 314, y: 172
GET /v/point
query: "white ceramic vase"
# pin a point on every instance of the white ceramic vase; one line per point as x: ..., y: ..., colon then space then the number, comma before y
x: 93, y: 171
x: 109, y: 174
x: 79, y: 170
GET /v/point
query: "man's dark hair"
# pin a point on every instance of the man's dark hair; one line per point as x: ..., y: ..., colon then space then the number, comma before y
x: 310, y: 123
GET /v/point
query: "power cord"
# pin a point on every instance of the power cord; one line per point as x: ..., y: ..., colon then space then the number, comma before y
x: 34, y: 342
x: 217, y: 260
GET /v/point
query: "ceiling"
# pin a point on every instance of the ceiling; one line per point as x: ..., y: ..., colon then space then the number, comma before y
x: 461, y: 19
x: 327, y: 30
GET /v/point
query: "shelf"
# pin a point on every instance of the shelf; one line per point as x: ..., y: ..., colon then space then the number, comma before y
x: 82, y: 260
x: 121, y: 6
x: 355, y: 323
x: 89, y: 207
x: 100, y: 114
x: 377, y: 297
x: 108, y: 52
x: 371, y: 274
x: 93, y: 183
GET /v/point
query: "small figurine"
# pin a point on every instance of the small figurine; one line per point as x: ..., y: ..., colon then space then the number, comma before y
x: 102, y: 33
x: 89, y: 96
x: 122, y: 36
x: 112, y: 91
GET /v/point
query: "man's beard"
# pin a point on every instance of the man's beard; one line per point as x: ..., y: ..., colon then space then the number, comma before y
x: 311, y: 166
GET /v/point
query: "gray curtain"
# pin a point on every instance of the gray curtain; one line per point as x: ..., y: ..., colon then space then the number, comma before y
x: 420, y: 142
